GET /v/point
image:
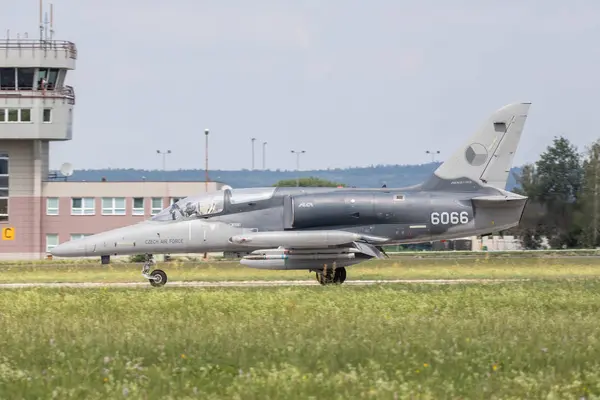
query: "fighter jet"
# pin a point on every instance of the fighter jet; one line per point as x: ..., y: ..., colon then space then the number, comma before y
x: 325, y: 230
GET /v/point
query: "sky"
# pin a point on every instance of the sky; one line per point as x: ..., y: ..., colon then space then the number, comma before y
x: 353, y: 83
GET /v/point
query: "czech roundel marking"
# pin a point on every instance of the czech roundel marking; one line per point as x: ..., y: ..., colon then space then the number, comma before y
x: 452, y: 218
x: 8, y: 233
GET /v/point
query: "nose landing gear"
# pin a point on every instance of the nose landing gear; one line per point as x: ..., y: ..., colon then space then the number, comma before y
x: 157, y: 277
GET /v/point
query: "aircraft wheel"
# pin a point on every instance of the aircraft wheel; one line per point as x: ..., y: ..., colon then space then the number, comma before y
x: 325, y: 278
x: 340, y: 275
x: 158, y: 278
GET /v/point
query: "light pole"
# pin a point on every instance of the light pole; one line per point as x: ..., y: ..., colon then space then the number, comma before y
x: 253, y: 140
x: 264, y: 156
x: 206, y: 160
x: 433, y: 153
x: 297, y: 153
x: 164, y: 160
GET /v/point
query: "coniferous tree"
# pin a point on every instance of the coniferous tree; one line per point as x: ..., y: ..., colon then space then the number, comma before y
x: 589, y: 211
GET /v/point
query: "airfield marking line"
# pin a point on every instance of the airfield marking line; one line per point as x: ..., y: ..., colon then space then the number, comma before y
x: 207, y: 284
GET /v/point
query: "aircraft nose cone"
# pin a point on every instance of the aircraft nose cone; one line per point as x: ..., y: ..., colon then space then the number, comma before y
x: 69, y: 249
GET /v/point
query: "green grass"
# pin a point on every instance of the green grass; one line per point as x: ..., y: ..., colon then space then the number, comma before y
x: 531, y: 340
x: 375, y: 269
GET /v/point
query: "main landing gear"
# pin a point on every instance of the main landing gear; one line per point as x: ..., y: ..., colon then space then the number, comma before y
x: 329, y: 276
x: 157, y: 277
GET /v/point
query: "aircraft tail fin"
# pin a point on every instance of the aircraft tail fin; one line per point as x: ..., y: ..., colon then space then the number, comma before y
x: 486, y: 158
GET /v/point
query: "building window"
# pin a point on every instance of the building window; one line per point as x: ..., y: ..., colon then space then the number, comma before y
x: 47, y: 115
x: 3, y: 187
x: 49, y: 75
x: 3, y: 164
x: 15, y: 115
x: 8, y: 79
x: 51, y: 241
x: 113, y: 206
x: 3, y: 209
x: 25, y: 78
x: 83, y: 206
x: 138, y: 206
x: 25, y: 115
x: 157, y: 205
x: 75, y: 236
x: 52, y: 206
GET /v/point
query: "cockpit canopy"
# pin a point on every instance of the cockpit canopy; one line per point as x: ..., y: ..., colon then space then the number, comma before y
x: 193, y: 207
x: 208, y: 204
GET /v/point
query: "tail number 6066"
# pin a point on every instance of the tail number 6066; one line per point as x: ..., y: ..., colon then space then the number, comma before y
x: 446, y: 218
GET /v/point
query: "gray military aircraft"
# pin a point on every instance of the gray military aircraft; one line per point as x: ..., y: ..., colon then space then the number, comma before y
x: 324, y: 230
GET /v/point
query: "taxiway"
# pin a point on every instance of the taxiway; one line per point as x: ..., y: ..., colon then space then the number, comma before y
x: 280, y: 283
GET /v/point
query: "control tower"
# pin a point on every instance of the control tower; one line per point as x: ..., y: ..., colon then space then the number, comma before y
x: 36, y: 107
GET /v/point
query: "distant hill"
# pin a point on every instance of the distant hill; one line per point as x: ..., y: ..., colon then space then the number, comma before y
x: 364, y: 177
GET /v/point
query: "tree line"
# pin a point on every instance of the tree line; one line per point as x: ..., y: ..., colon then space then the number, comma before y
x: 563, y: 187
x: 361, y: 177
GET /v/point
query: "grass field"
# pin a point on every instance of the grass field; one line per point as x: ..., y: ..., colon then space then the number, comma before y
x: 538, y: 339
x: 413, y: 268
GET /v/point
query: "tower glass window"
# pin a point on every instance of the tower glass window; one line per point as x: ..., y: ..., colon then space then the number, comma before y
x: 8, y: 79
x: 49, y: 75
x: 42, y: 75
x: 25, y: 78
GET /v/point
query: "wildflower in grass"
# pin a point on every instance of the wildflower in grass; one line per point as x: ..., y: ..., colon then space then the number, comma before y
x: 425, y: 365
x: 183, y: 356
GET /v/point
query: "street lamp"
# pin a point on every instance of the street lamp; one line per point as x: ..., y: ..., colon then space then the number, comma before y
x: 433, y: 153
x: 298, y: 152
x: 206, y: 160
x: 253, y: 140
x: 164, y: 160
x: 264, y: 156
